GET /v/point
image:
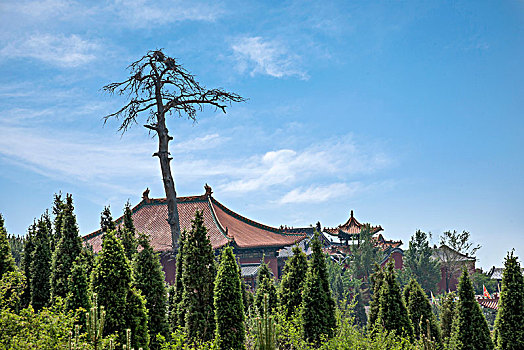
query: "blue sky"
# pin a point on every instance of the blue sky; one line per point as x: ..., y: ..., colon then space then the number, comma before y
x: 409, y: 113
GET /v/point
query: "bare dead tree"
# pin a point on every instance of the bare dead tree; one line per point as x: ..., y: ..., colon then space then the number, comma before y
x: 159, y: 86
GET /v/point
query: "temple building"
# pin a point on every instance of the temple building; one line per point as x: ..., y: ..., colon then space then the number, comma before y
x: 341, y: 238
x: 250, y: 240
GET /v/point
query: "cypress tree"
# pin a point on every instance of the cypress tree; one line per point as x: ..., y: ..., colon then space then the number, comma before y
x: 29, y: 247
x: 318, y: 307
x: 149, y: 280
x: 419, y: 310
x: 127, y: 233
x: 359, y: 310
x: 106, y: 220
x: 377, y: 279
x: 78, y: 290
x: 392, y: 312
x: 111, y: 280
x: 40, y: 270
x: 265, y: 285
x: 66, y: 252
x: 198, y: 280
x: 58, y: 211
x: 177, y: 312
x: 229, y: 309
x: 87, y: 258
x: 447, y: 315
x: 471, y: 330
x: 137, y: 319
x: 7, y: 263
x: 509, y: 324
x: 293, y: 282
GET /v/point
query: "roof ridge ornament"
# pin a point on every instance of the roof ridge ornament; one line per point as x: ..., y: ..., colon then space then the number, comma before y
x: 145, y: 195
x: 208, y: 189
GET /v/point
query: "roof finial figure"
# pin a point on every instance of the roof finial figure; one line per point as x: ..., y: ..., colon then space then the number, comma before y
x: 351, y: 212
x: 208, y: 189
x: 145, y: 195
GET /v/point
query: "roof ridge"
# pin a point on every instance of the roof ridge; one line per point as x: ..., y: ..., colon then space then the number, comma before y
x: 252, y: 222
x: 217, y: 222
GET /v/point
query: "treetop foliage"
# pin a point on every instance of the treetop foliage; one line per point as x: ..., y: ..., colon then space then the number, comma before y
x: 510, y: 317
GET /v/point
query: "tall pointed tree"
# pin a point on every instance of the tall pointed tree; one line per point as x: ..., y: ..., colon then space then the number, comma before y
x: 420, y: 313
x: 318, y: 307
x: 419, y: 260
x: 392, y: 313
x: 292, y: 282
x: 198, y: 279
x: 66, y: 252
x: 111, y: 280
x: 377, y: 279
x: 265, y: 285
x: 7, y: 263
x: 127, y: 233
x: 149, y: 280
x: 136, y: 318
x: 177, y: 311
x: 106, y: 220
x: 41, y: 264
x: 27, y: 259
x: 229, y: 308
x: 447, y: 315
x: 159, y: 86
x: 78, y: 290
x: 58, y: 211
x: 471, y: 328
x: 509, y: 324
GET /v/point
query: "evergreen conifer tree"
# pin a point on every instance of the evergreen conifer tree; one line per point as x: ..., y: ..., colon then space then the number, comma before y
x: 198, y: 279
x: 87, y: 258
x: 66, y: 252
x: 318, y: 307
x: 392, y: 311
x: 149, y: 280
x: 106, y: 220
x: 29, y: 246
x: 127, y: 233
x: 447, y: 315
x: 177, y: 311
x: 40, y: 270
x: 7, y: 263
x: 359, y: 310
x: 111, y: 281
x: 78, y: 290
x: 229, y: 309
x: 137, y: 319
x: 377, y: 279
x: 419, y: 310
x: 58, y: 211
x: 292, y: 282
x: 509, y: 324
x: 471, y: 330
x: 265, y: 285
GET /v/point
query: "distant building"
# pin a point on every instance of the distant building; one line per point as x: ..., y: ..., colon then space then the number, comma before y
x: 452, y: 261
x: 250, y: 240
x: 337, y: 242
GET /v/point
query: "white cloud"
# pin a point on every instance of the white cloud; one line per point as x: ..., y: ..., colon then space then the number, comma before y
x: 143, y: 13
x: 320, y: 193
x: 59, y: 50
x: 287, y: 167
x: 260, y: 56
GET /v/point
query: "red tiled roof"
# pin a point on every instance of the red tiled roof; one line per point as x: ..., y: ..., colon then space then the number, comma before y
x: 490, y: 303
x: 223, y: 225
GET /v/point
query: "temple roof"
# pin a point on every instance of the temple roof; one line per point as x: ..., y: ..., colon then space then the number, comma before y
x: 223, y: 225
x: 352, y: 226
